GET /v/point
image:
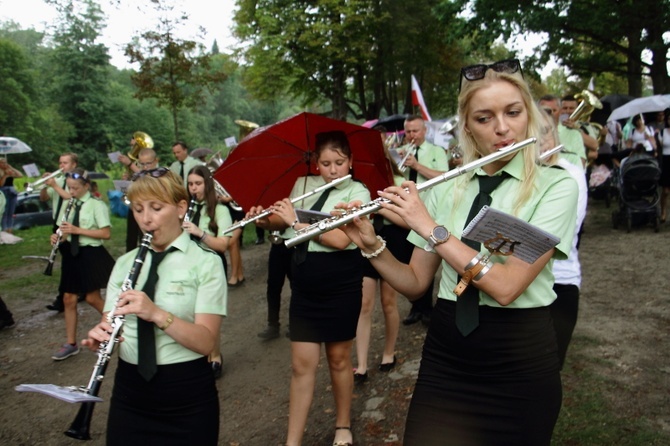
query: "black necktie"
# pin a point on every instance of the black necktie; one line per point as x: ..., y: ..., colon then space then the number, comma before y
x: 196, y: 220
x: 74, y: 238
x: 467, y: 304
x: 301, y: 250
x: 181, y: 170
x: 412, y: 172
x: 146, y: 339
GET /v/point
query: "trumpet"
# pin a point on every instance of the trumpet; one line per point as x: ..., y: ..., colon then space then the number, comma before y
x: 79, y: 428
x: 328, y: 224
x: 54, y: 247
x: 242, y: 223
x: 40, y: 184
x: 411, y: 150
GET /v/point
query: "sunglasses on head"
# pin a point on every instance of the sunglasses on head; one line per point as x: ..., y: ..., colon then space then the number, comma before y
x: 77, y: 176
x: 477, y: 72
x: 153, y: 173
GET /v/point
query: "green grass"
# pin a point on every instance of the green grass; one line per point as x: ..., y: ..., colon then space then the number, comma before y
x: 587, y: 418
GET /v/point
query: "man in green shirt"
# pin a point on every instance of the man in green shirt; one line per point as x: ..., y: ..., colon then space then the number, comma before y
x: 184, y: 162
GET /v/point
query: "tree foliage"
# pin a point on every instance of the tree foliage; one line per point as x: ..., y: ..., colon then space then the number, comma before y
x: 172, y: 71
x: 590, y: 37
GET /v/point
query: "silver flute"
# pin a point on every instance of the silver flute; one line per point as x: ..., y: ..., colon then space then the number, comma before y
x: 328, y: 224
x: 79, y: 428
x: 268, y: 211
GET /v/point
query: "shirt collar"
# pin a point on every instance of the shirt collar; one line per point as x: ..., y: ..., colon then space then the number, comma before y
x: 181, y: 242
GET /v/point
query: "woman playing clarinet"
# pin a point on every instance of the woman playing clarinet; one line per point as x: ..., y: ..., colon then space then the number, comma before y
x: 489, y: 371
x: 164, y: 391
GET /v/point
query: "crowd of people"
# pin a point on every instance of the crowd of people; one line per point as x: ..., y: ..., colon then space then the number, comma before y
x: 498, y: 327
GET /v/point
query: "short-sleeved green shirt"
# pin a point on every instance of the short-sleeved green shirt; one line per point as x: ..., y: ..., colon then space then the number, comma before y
x: 432, y: 156
x: 189, y: 163
x: 552, y: 207
x: 344, y: 192
x: 221, y: 215
x: 93, y: 214
x: 55, y: 197
x: 573, y: 146
x: 191, y: 281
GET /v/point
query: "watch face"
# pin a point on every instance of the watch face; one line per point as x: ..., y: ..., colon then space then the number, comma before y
x: 440, y: 233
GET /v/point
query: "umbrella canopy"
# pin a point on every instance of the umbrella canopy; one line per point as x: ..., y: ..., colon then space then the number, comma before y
x: 616, y: 100
x: 393, y: 123
x: 203, y: 151
x: 9, y: 145
x: 647, y: 104
x: 264, y: 167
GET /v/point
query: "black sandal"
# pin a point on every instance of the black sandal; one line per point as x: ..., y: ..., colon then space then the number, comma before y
x: 342, y: 443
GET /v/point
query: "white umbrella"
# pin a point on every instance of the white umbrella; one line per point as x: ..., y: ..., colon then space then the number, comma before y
x: 10, y: 145
x: 648, y: 104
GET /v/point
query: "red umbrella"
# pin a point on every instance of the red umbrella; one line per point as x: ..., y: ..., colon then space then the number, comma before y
x: 265, y: 165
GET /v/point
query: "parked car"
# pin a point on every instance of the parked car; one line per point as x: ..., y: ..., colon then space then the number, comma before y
x: 30, y: 211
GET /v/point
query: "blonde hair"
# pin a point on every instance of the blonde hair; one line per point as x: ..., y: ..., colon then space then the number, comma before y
x: 167, y: 188
x: 534, y: 128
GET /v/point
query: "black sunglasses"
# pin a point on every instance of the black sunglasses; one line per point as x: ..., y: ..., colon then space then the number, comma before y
x: 477, y: 72
x: 77, y: 176
x: 153, y: 173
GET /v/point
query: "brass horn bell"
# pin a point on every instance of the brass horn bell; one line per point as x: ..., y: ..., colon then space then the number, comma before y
x: 142, y: 141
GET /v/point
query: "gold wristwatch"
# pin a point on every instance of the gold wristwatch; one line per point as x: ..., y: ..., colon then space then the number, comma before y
x: 438, y: 235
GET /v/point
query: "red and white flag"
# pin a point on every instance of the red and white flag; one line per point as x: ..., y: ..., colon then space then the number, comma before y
x: 417, y: 100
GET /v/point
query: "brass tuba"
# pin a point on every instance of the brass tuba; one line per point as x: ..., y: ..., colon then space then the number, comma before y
x: 589, y: 102
x: 142, y: 141
x: 246, y: 127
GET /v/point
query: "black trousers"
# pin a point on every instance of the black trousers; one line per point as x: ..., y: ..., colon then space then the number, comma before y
x: 4, y: 311
x: 279, y: 268
x: 564, y: 312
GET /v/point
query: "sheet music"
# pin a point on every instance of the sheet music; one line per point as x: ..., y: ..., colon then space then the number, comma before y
x: 309, y: 216
x: 531, y: 241
x: 121, y: 185
x: 31, y: 170
x: 67, y: 394
x: 114, y: 156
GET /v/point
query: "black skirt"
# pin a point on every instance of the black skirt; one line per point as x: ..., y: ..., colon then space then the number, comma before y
x: 498, y: 386
x: 87, y: 271
x: 326, y: 295
x: 665, y: 171
x: 179, y: 406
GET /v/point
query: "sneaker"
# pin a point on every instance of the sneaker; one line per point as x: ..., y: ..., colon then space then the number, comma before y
x: 271, y: 332
x: 65, y: 352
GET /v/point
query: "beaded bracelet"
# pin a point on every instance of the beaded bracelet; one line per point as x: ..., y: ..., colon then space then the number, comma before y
x: 379, y: 250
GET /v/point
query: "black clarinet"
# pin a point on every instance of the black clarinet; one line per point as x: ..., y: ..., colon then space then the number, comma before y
x: 80, y: 427
x: 54, y: 247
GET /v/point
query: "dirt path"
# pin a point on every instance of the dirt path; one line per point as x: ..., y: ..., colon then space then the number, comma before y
x: 624, y: 311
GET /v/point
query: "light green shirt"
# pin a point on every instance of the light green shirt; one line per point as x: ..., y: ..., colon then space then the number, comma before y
x: 93, y: 214
x: 552, y: 207
x: 573, y: 146
x: 55, y: 197
x: 189, y: 163
x: 191, y: 281
x: 344, y: 192
x: 221, y: 215
x: 432, y: 156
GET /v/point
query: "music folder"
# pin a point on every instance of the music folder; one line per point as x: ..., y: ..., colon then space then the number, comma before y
x: 67, y: 394
x: 525, y: 241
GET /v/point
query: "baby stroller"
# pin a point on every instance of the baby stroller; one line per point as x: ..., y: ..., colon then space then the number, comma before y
x: 602, y: 184
x: 639, y: 197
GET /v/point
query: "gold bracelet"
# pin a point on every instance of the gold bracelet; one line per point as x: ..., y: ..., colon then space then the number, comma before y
x: 168, y: 321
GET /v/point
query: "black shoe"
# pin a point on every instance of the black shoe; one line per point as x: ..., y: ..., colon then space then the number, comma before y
x: 216, y: 369
x: 56, y: 305
x: 412, y: 318
x: 271, y: 332
x: 360, y: 378
x: 388, y: 366
x: 259, y: 241
x: 6, y: 323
